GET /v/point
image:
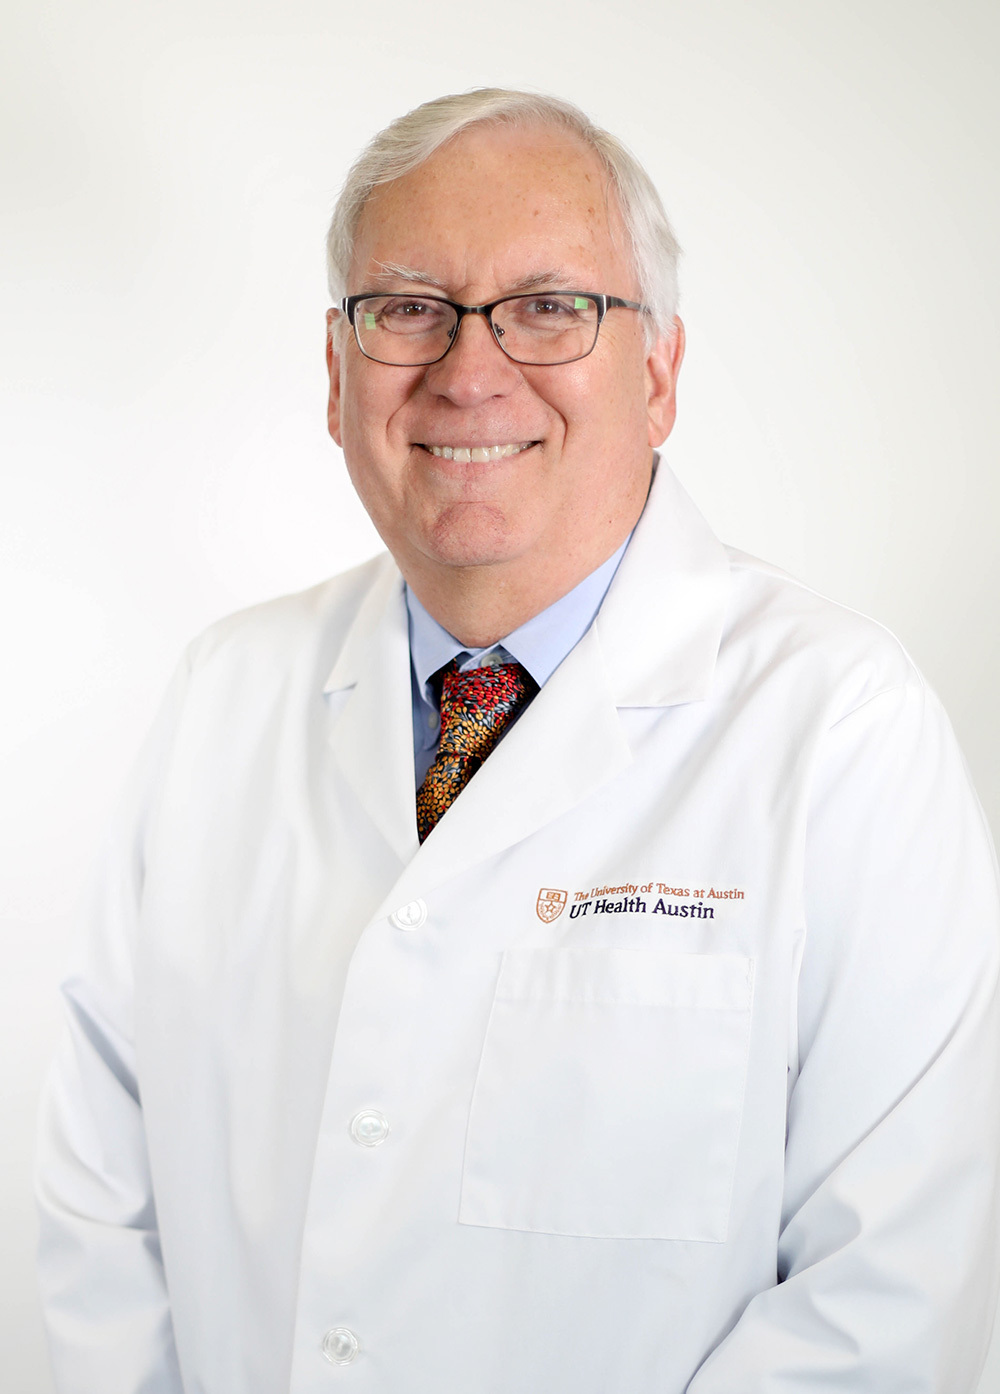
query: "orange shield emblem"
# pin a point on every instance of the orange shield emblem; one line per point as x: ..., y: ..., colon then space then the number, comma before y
x: 550, y: 904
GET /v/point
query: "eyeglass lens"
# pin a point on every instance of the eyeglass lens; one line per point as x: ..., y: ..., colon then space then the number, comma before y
x: 409, y: 330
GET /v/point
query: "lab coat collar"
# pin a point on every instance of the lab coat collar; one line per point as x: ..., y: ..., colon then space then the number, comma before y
x: 654, y: 643
x: 661, y: 623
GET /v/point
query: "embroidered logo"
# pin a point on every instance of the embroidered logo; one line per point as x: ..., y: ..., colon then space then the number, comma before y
x: 685, y: 902
x: 550, y: 904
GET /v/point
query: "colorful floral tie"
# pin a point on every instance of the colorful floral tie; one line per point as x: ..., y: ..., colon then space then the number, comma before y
x: 476, y: 707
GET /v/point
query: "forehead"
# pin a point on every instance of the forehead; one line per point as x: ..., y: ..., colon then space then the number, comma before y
x: 493, y: 207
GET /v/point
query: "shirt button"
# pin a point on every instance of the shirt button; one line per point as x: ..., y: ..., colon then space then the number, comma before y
x: 340, y: 1345
x: 409, y: 916
x: 369, y: 1128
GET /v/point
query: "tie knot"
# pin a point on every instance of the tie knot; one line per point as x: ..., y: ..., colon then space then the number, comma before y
x: 478, y: 705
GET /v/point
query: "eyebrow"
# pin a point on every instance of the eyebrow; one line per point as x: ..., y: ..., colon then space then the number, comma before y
x: 395, y: 271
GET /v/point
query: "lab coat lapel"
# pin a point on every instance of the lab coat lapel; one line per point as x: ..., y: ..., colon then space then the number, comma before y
x: 371, y: 713
x: 654, y: 644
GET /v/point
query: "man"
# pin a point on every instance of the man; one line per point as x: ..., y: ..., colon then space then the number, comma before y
x: 489, y: 997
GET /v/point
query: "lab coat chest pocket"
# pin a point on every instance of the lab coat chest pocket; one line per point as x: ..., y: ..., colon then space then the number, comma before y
x: 609, y: 1094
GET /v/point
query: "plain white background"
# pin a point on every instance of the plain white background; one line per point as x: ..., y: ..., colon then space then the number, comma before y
x: 167, y: 173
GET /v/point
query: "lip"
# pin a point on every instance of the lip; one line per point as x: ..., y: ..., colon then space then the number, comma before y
x: 477, y: 453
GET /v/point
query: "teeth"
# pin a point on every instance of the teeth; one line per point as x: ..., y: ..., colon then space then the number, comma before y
x: 479, y: 454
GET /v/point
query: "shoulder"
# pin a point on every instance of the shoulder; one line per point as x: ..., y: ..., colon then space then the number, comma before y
x: 776, y: 625
x: 307, y: 628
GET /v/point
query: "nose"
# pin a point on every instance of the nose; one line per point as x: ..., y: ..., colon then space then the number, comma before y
x: 475, y: 367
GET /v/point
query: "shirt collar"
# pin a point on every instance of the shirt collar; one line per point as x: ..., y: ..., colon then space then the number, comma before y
x: 539, y: 645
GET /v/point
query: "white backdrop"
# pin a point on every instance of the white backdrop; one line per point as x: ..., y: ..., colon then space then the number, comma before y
x: 167, y: 173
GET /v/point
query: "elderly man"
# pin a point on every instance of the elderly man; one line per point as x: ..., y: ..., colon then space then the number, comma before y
x: 560, y: 954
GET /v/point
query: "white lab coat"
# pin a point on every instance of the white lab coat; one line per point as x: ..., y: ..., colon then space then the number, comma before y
x: 637, y: 1149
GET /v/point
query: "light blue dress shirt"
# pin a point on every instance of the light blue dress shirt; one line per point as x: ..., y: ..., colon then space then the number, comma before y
x: 539, y: 645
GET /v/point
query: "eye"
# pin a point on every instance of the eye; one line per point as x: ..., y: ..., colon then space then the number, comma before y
x: 400, y: 308
x: 406, y: 314
x: 547, y: 306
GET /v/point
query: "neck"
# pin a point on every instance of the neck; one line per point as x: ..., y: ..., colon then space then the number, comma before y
x: 480, y: 605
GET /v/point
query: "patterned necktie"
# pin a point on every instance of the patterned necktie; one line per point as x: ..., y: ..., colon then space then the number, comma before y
x: 476, y: 707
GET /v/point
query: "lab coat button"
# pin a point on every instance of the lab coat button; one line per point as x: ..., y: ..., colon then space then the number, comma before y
x: 369, y: 1128
x: 409, y: 916
x: 340, y: 1345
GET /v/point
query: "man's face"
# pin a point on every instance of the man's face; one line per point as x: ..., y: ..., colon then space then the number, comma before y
x: 495, y: 212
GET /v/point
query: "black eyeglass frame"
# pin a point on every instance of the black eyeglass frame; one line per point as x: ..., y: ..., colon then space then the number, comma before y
x: 604, y: 303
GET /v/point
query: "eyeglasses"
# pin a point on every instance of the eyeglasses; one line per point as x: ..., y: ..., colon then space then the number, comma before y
x: 412, y: 331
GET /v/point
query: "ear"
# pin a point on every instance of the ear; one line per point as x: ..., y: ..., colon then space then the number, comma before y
x: 663, y: 364
x: 333, y: 331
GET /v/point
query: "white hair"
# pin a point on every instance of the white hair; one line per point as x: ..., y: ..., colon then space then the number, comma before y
x: 413, y: 138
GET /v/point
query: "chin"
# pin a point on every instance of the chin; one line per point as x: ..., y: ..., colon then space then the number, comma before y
x: 473, y: 535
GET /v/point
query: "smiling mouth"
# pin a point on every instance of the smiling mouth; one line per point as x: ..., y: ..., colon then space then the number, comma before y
x: 477, y: 454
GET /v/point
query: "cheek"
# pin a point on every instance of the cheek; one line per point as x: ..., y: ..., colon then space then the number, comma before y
x: 603, y: 395
x: 375, y: 445
x: 571, y: 394
x: 372, y: 395
x: 360, y: 413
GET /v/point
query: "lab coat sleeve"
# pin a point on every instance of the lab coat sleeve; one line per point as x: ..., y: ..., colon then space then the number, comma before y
x: 887, y: 1263
x: 101, y: 1275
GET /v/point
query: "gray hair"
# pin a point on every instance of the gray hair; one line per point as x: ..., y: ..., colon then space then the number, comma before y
x: 413, y: 138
